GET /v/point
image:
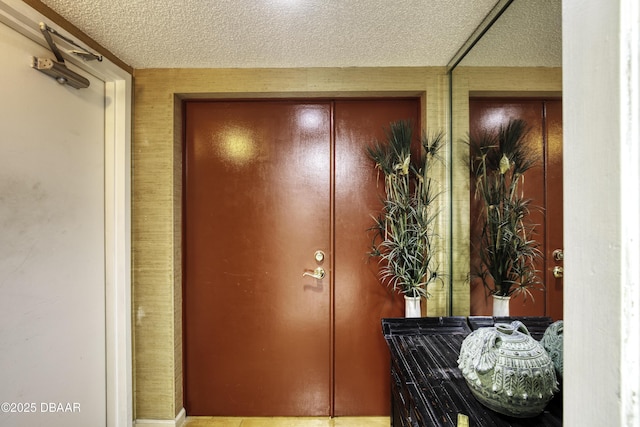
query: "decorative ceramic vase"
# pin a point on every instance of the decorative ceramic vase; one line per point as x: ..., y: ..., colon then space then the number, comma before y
x: 412, y: 307
x: 552, y: 343
x: 507, y: 370
x: 501, y: 306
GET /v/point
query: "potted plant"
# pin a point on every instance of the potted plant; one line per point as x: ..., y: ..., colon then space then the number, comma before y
x: 404, y: 235
x: 507, y: 251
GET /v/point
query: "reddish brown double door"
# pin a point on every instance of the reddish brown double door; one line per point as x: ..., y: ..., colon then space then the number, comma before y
x: 269, y: 184
x: 542, y: 184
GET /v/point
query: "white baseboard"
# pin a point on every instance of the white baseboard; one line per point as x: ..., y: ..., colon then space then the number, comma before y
x: 181, y: 418
x: 178, y: 422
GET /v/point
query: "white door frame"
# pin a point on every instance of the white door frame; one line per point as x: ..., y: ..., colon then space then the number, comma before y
x: 117, y: 111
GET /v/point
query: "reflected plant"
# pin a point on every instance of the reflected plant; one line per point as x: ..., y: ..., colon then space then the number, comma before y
x: 403, y: 233
x: 507, y: 249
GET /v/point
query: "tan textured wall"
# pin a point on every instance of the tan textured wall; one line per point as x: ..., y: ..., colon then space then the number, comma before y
x: 482, y: 81
x: 157, y: 188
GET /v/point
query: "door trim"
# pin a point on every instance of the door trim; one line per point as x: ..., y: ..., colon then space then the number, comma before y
x: 118, y: 88
x: 332, y: 261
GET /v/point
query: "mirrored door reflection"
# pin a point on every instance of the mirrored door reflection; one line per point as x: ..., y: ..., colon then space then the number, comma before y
x: 519, y: 57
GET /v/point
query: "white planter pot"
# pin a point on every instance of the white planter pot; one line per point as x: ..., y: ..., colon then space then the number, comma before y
x: 501, y: 306
x: 412, y: 307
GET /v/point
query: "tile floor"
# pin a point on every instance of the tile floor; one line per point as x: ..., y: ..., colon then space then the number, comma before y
x: 287, y: 422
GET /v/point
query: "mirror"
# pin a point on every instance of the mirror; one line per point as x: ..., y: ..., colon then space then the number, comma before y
x: 524, y: 34
x: 515, y: 54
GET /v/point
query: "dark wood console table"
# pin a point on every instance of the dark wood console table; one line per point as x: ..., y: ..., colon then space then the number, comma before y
x: 427, y: 387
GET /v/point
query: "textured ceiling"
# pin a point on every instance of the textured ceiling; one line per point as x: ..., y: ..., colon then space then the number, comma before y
x: 529, y: 33
x: 277, y: 33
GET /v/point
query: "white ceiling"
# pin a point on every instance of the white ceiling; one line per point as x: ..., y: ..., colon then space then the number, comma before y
x: 277, y: 33
x: 529, y: 33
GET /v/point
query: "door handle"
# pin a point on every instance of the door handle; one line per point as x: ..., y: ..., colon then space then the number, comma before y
x: 558, y: 272
x: 318, y: 273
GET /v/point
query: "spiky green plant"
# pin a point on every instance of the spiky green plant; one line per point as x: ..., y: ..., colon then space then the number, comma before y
x: 507, y: 250
x: 404, y: 236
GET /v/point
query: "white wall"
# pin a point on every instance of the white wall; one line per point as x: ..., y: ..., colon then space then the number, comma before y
x: 601, y: 199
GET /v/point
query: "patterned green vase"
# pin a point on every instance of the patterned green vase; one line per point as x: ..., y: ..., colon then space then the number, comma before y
x: 552, y: 343
x: 507, y: 370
